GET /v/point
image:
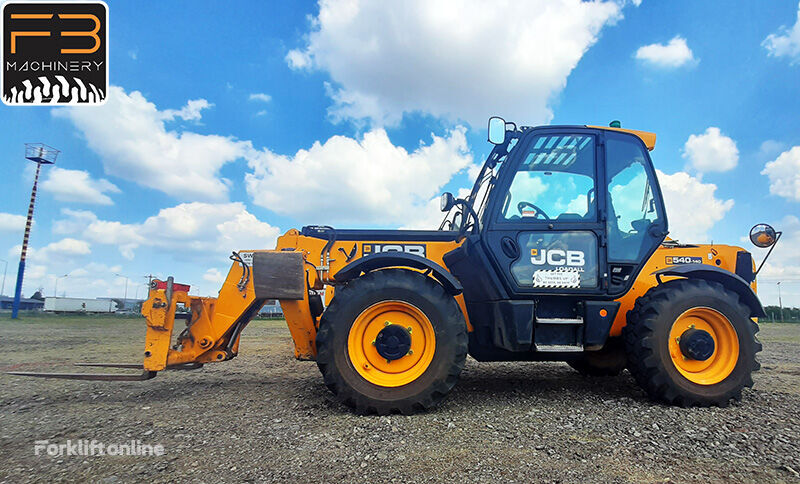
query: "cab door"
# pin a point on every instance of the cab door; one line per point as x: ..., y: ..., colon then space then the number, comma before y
x: 577, y: 212
x: 546, y: 230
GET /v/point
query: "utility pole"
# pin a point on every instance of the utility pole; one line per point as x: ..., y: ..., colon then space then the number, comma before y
x: 3, y: 289
x: 780, y: 303
x: 55, y: 289
x: 41, y: 154
x: 125, y: 297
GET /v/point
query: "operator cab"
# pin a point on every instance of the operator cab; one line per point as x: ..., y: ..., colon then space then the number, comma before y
x: 561, y: 218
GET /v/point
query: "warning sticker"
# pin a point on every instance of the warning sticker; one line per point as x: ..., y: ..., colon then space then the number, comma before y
x: 247, y: 257
x: 556, y: 278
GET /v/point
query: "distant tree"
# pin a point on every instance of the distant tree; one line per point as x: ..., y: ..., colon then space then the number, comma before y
x: 38, y: 296
x: 790, y: 315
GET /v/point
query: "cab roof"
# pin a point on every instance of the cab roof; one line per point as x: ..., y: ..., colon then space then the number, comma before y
x: 649, y: 139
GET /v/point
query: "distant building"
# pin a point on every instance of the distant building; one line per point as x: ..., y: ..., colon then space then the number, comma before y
x: 24, y: 304
x: 271, y: 309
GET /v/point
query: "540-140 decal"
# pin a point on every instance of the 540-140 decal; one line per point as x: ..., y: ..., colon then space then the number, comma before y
x: 683, y: 259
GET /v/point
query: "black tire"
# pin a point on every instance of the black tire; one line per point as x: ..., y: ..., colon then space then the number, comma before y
x: 647, y: 334
x: 609, y: 361
x: 359, y: 294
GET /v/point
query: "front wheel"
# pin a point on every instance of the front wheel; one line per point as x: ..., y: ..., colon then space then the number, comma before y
x: 391, y: 341
x: 691, y: 342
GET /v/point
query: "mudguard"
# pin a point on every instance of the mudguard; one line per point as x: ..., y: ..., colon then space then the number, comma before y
x: 399, y: 259
x: 726, y: 278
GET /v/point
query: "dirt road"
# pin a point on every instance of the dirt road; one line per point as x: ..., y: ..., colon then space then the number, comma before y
x: 267, y: 417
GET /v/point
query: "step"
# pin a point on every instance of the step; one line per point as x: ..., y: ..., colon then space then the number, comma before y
x: 576, y: 321
x: 559, y: 348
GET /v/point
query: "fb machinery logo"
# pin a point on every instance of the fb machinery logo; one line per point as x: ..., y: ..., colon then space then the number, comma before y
x: 55, y: 53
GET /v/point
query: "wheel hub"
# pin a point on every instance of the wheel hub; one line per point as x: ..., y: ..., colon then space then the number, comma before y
x: 393, y: 342
x: 697, y: 344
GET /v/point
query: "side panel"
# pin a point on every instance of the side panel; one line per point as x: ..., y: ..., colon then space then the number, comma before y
x: 301, y: 323
x: 722, y: 256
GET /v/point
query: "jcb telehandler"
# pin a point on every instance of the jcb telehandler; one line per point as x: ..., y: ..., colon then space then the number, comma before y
x: 558, y: 253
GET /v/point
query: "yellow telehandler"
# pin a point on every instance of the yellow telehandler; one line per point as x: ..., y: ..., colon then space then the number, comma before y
x: 560, y: 252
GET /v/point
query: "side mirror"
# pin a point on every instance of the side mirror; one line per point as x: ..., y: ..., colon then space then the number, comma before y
x: 447, y: 201
x: 497, y: 130
x: 763, y: 235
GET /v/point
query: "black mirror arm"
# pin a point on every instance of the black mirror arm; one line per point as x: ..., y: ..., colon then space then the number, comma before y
x: 468, y: 208
x: 777, y: 238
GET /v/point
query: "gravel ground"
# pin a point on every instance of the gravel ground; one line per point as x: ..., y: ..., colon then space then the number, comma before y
x: 265, y: 417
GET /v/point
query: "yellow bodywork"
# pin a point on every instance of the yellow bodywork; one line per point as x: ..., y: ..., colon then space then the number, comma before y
x: 208, y: 336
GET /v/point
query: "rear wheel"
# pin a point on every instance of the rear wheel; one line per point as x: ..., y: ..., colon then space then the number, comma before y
x: 691, y: 342
x: 391, y: 341
x: 609, y: 361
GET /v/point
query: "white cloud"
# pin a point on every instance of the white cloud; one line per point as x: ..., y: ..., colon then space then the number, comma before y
x: 190, y: 112
x: 711, y: 151
x: 785, y: 42
x: 260, y: 96
x: 365, y: 181
x: 215, y: 276
x: 784, y: 174
x: 673, y: 54
x: 461, y: 61
x: 76, y: 221
x: 10, y: 222
x: 67, y: 246
x: 692, y: 207
x: 78, y: 186
x: 55, y: 251
x: 186, y: 229
x: 298, y: 59
x: 131, y: 137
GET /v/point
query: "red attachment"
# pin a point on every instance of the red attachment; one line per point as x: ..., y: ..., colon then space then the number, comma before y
x: 175, y: 286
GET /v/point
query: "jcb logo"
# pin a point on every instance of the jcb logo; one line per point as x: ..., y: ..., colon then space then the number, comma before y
x: 558, y: 257
x: 55, y: 53
x: 416, y: 249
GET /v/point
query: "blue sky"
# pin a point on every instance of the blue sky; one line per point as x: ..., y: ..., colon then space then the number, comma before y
x: 229, y: 124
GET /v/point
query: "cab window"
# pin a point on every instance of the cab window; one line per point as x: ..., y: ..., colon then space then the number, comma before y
x: 555, y: 181
x: 632, y: 208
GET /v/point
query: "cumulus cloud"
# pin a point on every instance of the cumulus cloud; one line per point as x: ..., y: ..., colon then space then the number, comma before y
x: 78, y: 186
x: 367, y: 180
x: 10, y: 222
x: 461, y: 61
x: 131, y: 136
x: 54, y: 251
x: 215, y: 276
x: 784, y: 174
x: 190, y: 112
x: 711, y: 151
x: 185, y: 229
x: 260, y: 96
x: 692, y: 206
x: 674, y: 53
x: 785, y: 42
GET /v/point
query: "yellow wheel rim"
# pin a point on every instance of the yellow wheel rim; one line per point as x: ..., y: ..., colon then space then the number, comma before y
x: 365, y: 357
x: 726, y: 346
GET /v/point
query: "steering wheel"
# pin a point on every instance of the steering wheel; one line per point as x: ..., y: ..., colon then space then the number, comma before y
x: 539, y: 211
